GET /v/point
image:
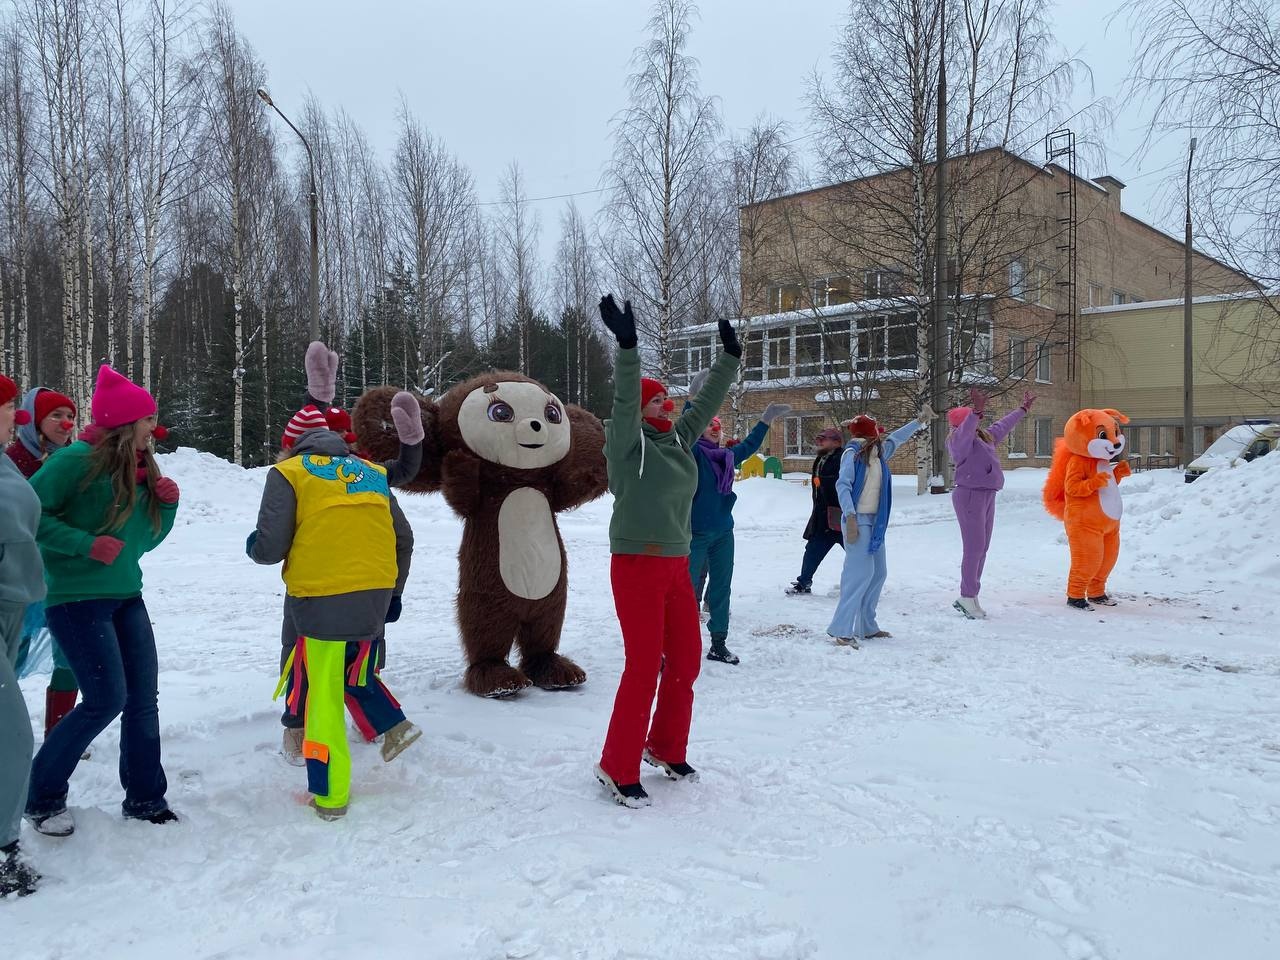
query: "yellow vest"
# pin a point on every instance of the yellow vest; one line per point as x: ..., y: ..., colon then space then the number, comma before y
x: 343, y: 540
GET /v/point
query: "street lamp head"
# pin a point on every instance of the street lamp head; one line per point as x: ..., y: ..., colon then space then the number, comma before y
x: 266, y: 97
x: 1193, y: 144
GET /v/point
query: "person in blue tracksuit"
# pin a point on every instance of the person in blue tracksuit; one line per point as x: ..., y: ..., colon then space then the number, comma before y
x: 865, y: 489
x: 711, y: 520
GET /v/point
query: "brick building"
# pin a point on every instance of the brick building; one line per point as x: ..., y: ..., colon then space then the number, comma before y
x: 836, y: 302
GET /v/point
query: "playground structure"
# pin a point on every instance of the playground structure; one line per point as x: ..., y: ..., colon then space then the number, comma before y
x: 758, y: 466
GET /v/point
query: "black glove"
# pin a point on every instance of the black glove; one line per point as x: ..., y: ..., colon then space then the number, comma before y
x: 622, y: 323
x: 248, y: 544
x: 730, y: 339
x: 393, y: 611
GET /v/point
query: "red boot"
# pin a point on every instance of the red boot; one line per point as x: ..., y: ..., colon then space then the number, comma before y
x: 57, y: 704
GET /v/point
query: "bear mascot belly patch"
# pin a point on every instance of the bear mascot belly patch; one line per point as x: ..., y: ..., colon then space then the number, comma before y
x: 508, y: 456
x: 1083, y: 491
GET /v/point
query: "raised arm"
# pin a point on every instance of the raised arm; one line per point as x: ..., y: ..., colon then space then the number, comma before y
x: 622, y: 432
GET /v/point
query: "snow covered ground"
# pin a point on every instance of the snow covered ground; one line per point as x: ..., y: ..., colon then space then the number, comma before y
x: 1046, y: 784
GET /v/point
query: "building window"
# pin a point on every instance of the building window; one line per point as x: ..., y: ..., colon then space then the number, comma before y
x: 1044, y: 286
x: 1044, y: 364
x: 752, y: 357
x: 779, y: 350
x: 799, y: 435
x: 1118, y: 297
x: 828, y: 291
x: 1095, y: 294
x: 808, y: 350
x: 1018, y: 440
x: 886, y: 342
x: 1133, y: 440
x: 836, y: 340
x: 785, y: 297
x: 1197, y: 434
x: 883, y: 282
x: 1017, y: 358
x: 1018, y: 279
x: 1044, y: 437
x: 971, y: 351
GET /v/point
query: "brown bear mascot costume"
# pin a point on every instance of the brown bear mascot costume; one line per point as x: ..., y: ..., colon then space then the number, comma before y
x: 508, y: 456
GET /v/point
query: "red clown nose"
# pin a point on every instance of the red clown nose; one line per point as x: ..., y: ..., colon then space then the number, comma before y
x: 160, y: 433
x: 668, y: 405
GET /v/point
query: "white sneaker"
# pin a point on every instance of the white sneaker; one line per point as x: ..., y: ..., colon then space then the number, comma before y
x: 291, y: 747
x: 981, y: 612
x: 59, y: 825
x: 969, y: 607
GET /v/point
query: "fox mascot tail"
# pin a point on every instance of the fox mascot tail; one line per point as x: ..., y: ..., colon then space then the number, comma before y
x: 1055, y: 493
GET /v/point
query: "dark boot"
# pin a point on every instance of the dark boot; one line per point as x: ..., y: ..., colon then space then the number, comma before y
x: 1079, y: 603
x: 719, y: 651
x: 16, y: 875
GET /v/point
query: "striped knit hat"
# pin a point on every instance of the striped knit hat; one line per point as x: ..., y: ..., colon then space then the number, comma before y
x: 308, y: 418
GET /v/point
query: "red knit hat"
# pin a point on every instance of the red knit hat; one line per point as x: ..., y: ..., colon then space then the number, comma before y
x: 339, y: 421
x: 48, y: 401
x: 308, y: 418
x: 118, y: 401
x: 8, y: 389
x: 958, y: 415
x: 650, y: 388
x: 864, y: 427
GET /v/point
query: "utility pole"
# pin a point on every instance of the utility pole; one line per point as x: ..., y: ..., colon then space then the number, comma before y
x: 1188, y: 372
x: 937, y: 355
x: 315, y: 231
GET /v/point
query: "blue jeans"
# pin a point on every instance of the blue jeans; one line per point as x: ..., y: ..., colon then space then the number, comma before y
x: 861, y: 581
x: 816, y: 549
x: 711, y: 554
x: 112, y: 650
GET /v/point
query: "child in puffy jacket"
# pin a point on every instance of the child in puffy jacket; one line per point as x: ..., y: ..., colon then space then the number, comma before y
x: 346, y: 547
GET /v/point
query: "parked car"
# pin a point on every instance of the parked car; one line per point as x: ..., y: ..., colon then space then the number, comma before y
x: 1242, y: 443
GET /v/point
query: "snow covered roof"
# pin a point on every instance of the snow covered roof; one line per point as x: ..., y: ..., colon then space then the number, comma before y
x: 1174, y: 302
x: 812, y: 314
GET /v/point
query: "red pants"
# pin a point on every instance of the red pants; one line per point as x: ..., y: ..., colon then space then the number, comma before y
x: 659, y: 619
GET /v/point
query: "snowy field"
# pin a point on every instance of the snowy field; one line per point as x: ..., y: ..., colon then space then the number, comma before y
x: 1046, y: 784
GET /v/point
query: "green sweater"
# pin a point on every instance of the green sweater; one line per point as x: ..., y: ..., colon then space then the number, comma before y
x: 652, y: 475
x: 72, y: 517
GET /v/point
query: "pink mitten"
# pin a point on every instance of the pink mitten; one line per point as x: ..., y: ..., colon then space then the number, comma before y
x: 407, y: 415
x: 105, y: 550
x: 322, y: 372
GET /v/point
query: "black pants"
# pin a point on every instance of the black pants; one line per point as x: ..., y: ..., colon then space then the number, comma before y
x: 815, y: 551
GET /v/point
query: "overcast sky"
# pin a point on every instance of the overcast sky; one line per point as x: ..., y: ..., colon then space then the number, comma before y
x: 539, y: 82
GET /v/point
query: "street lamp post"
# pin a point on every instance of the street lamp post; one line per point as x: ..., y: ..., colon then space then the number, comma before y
x: 1188, y: 419
x: 938, y: 353
x: 315, y: 230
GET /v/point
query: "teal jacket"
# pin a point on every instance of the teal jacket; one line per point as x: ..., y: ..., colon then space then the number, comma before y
x: 713, y: 511
x: 652, y: 474
x: 74, y: 515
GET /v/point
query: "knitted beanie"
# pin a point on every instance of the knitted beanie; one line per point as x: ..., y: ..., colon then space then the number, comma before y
x: 308, y: 418
x: 48, y: 401
x: 650, y: 388
x: 8, y: 389
x: 117, y: 401
x: 958, y: 415
x: 339, y: 421
x: 863, y: 427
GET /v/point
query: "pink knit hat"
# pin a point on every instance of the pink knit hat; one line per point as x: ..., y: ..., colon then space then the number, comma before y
x: 117, y: 401
x: 958, y: 415
x: 308, y: 418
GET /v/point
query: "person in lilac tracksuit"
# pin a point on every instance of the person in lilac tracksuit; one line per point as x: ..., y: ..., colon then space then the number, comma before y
x: 978, y: 478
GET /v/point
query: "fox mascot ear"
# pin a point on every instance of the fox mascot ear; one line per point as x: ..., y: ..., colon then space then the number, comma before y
x: 1116, y: 414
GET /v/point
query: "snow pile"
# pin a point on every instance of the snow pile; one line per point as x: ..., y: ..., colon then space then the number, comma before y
x: 1222, y: 527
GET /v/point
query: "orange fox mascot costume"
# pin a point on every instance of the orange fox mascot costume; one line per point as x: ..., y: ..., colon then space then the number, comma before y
x: 1083, y: 491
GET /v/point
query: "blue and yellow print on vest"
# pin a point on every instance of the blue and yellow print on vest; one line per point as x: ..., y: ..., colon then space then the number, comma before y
x: 355, y: 473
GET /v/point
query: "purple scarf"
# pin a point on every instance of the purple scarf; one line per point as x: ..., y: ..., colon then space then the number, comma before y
x: 721, y: 459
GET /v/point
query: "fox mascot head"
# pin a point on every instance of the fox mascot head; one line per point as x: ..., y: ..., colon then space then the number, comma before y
x: 1090, y: 434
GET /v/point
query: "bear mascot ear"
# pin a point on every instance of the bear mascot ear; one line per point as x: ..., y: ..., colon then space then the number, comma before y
x: 583, y: 475
x: 376, y: 432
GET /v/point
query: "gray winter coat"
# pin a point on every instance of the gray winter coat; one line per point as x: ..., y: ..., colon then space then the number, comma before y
x: 21, y: 570
x: 344, y: 616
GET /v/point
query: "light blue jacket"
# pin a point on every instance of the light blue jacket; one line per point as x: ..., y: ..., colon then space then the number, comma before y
x: 853, y: 476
